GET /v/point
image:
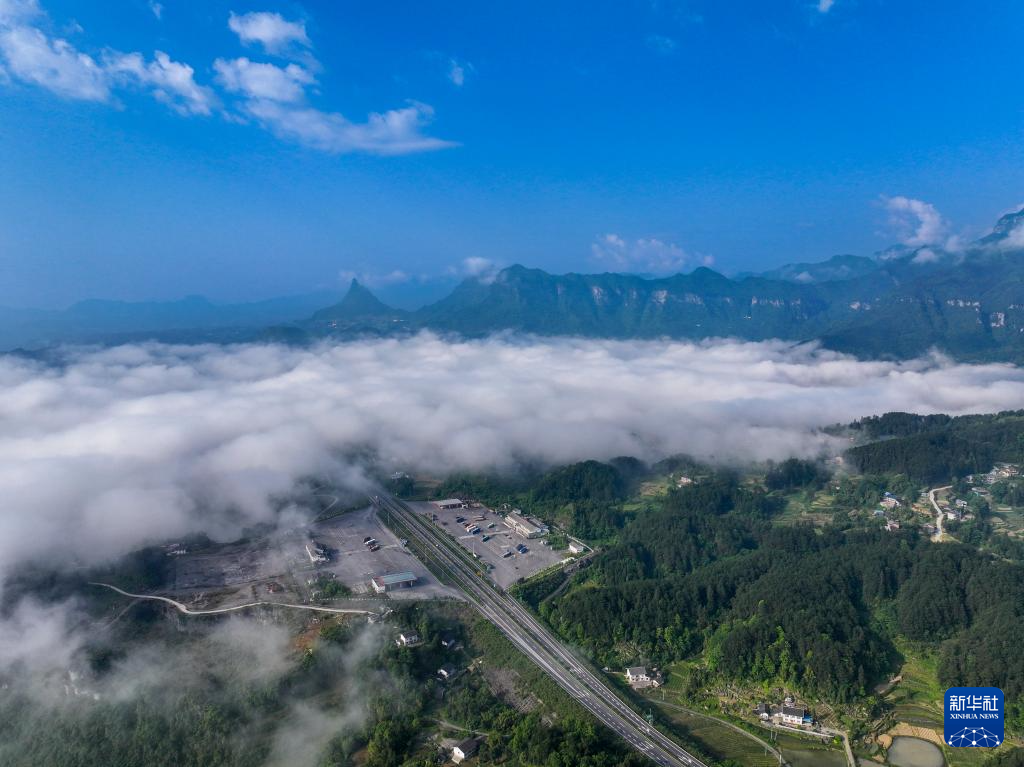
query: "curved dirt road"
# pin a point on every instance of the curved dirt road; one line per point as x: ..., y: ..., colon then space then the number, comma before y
x: 220, y: 610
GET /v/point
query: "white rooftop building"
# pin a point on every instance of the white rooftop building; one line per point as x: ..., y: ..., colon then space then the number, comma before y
x: 408, y: 639
x: 528, y: 528
x: 315, y: 551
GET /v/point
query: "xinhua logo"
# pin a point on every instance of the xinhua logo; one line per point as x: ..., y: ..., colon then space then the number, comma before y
x: 974, y: 717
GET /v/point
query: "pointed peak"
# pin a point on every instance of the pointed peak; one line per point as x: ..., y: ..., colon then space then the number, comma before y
x: 359, y: 301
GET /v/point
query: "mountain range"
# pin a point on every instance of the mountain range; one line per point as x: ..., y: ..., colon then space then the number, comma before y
x: 967, y: 302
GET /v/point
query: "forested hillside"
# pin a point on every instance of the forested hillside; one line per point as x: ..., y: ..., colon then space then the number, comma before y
x: 707, y: 574
x: 937, y: 448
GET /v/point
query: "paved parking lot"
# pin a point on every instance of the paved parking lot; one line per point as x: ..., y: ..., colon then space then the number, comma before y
x: 354, y: 564
x: 276, y: 567
x: 506, y: 570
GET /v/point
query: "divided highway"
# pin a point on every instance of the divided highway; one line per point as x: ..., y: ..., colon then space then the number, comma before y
x: 537, y: 643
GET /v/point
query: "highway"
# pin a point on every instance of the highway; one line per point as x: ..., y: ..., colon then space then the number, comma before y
x: 539, y: 644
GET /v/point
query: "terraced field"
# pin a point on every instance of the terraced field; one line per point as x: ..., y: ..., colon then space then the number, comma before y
x: 916, y: 700
x: 807, y: 507
x: 802, y: 752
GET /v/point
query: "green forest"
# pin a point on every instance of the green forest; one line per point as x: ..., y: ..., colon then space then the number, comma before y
x: 359, y: 698
x: 708, y: 574
x: 937, y: 448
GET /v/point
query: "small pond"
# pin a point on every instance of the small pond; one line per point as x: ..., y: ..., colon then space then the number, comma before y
x: 915, y: 752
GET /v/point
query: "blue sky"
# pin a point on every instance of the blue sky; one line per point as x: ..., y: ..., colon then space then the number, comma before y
x: 241, y: 151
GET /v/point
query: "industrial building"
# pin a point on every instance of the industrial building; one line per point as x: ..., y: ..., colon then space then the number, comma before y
x: 451, y: 503
x: 392, y: 581
x: 316, y: 552
x: 528, y: 528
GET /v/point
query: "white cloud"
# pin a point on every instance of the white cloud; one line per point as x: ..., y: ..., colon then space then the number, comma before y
x: 118, y: 447
x: 275, y: 97
x: 925, y: 256
x: 457, y: 71
x: 263, y: 81
x: 157, y: 9
x: 18, y: 11
x: 272, y: 31
x: 645, y: 255
x: 824, y: 6
x: 54, y: 64
x: 398, y: 131
x: 171, y: 81
x: 1015, y: 239
x: 916, y: 222
x: 478, y: 266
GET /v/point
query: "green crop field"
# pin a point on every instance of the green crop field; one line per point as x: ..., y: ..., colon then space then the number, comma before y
x: 720, y: 741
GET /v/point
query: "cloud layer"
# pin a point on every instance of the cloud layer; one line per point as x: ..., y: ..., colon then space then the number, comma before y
x: 114, y: 448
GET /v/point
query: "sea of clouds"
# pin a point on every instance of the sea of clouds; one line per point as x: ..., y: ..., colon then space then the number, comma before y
x: 108, y: 449
x: 105, y: 450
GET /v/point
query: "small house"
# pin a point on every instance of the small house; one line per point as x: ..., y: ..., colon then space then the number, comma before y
x: 638, y: 677
x: 408, y: 639
x: 794, y: 715
x: 446, y: 672
x: 465, y: 749
x: 636, y: 674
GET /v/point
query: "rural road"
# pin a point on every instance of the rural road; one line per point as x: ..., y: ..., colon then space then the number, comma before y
x: 221, y: 610
x: 938, y: 512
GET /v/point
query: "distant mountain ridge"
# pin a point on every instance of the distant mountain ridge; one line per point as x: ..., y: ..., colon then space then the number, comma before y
x: 190, y: 319
x: 832, y: 270
x: 968, y: 303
